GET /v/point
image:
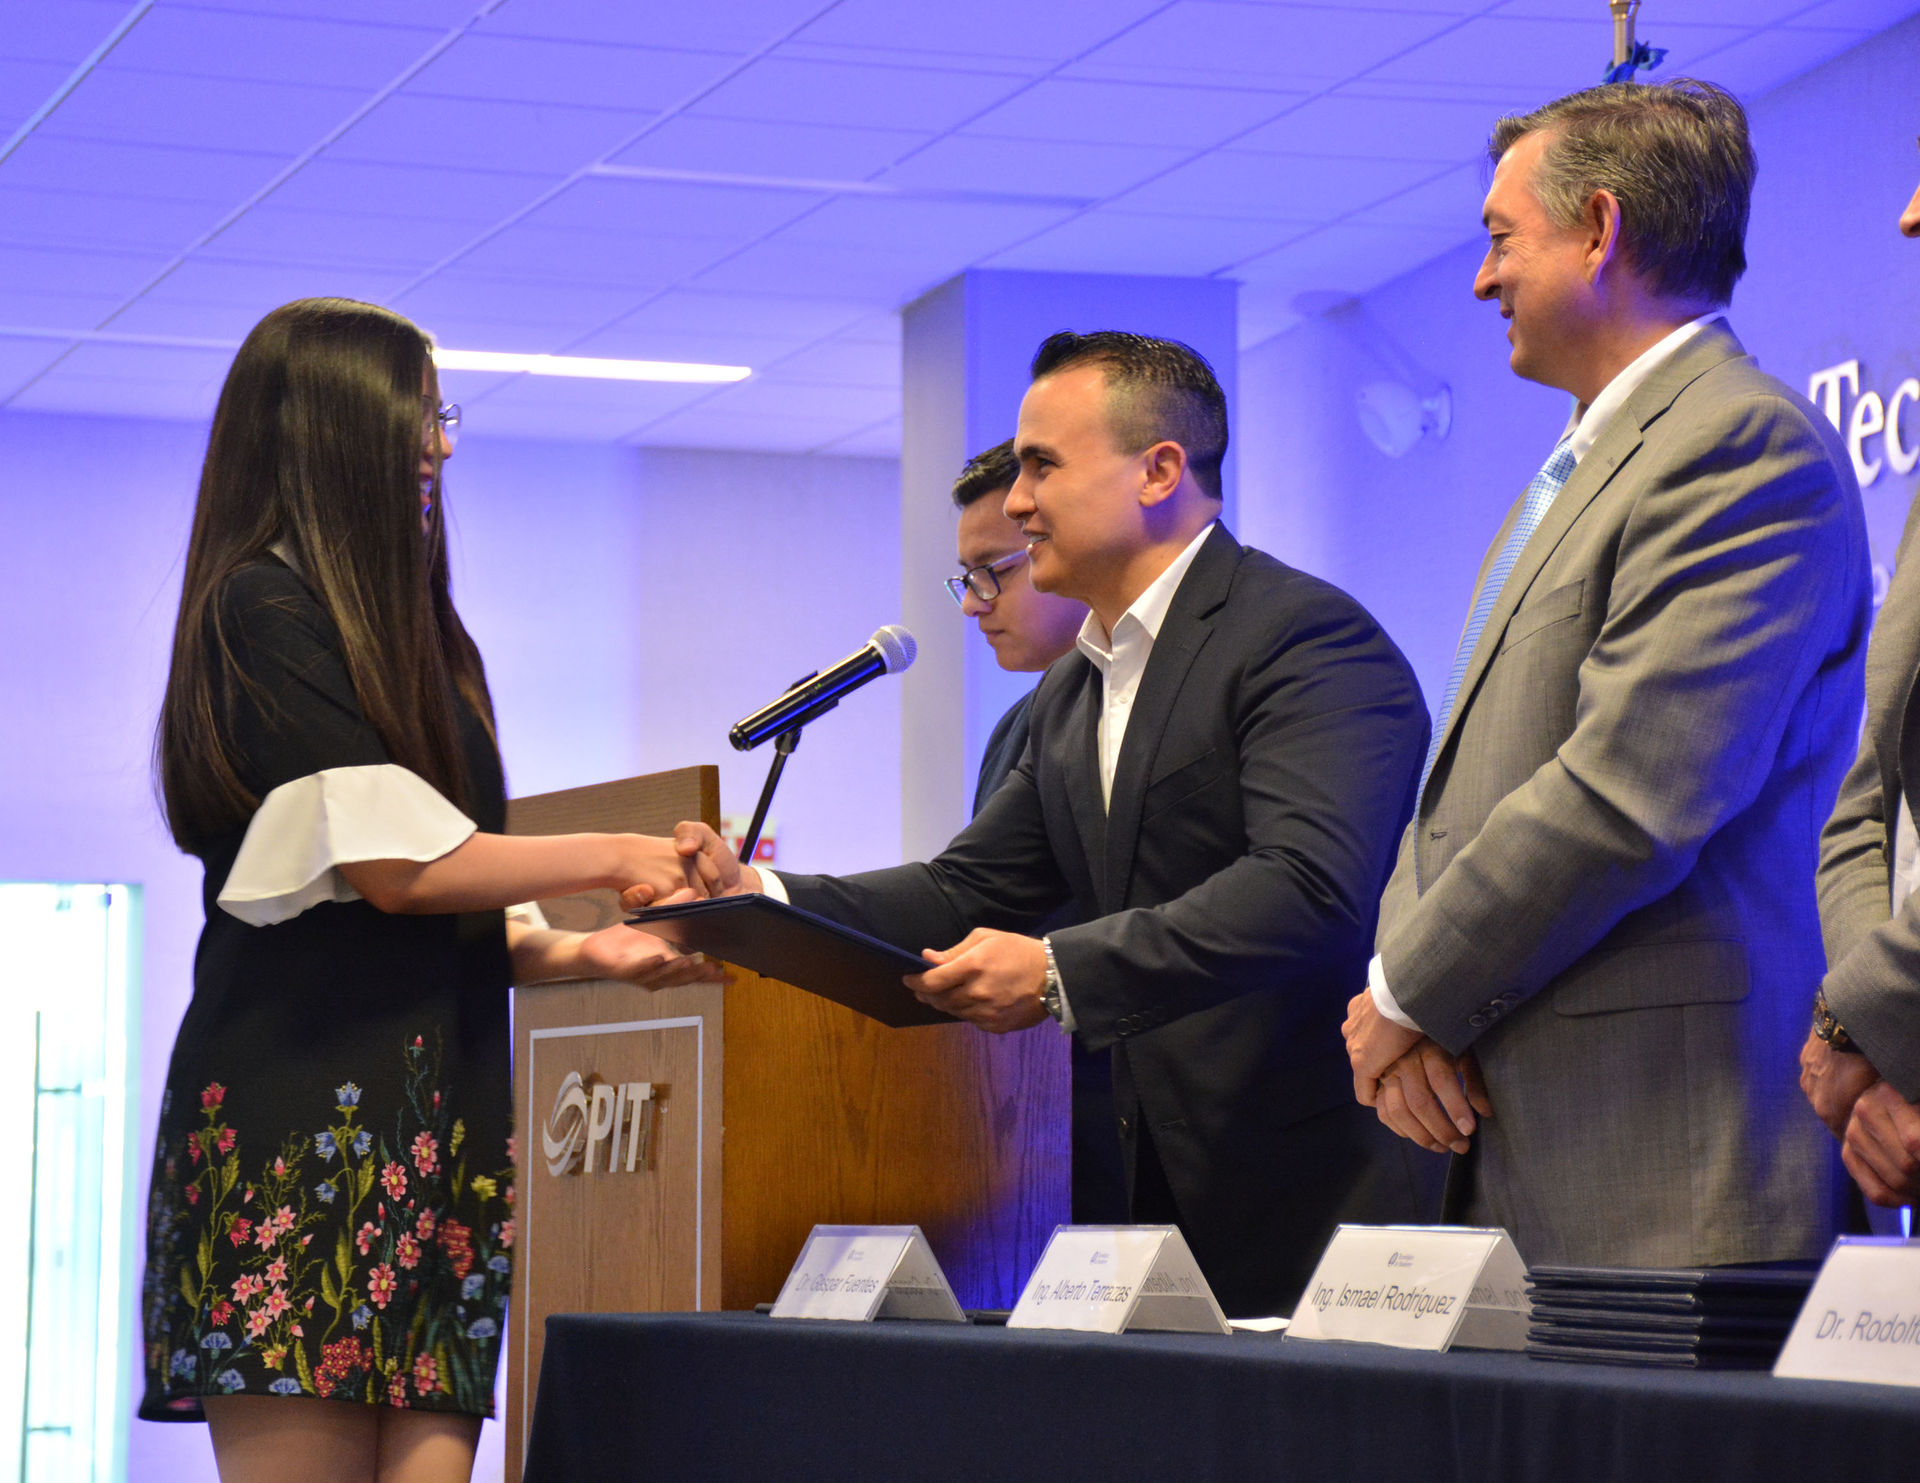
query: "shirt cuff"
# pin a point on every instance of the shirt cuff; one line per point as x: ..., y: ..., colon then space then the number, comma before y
x: 1383, y: 999
x: 772, y: 885
x: 528, y: 913
x: 304, y: 830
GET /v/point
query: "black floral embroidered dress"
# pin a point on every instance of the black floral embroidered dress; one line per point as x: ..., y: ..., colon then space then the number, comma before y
x: 331, y: 1213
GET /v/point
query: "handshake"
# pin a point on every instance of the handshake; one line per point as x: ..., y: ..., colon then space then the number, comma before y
x: 994, y: 980
x: 690, y: 865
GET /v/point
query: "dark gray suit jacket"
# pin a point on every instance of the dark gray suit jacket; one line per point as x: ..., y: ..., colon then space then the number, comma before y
x: 1609, y: 891
x: 1226, y: 902
x: 1873, y: 983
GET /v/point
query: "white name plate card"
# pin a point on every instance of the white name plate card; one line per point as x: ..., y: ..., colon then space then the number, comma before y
x: 1417, y: 1287
x: 1112, y: 1279
x: 1862, y: 1319
x: 866, y: 1272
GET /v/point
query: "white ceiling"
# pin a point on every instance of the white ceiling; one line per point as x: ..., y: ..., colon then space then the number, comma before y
x: 757, y: 182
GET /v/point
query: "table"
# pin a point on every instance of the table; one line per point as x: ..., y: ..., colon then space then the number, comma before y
x: 667, y: 1396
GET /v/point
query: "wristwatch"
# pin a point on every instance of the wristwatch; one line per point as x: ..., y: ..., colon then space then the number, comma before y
x: 1825, y: 1026
x: 1052, y: 997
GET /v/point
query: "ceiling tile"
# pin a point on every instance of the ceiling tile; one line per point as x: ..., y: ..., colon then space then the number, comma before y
x: 441, y: 13
x: 882, y: 440
x: 62, y: 308
x: 1652, y: 22
x: 749, y: 314
x: 992, y: 29
x: 430, y: 192
x: 777, y: 90
x: 766, y: 396
x: 610, y: 206
x: 1283, y: 45
x: 534, y: 253
x: 624, y: 341
x: 70, y: 270
x: 165, y: 311
x: 566, y: 309
x: 331, y: 52
x: 1029, y: 166
x: 1866, y: 15
x: 272, y: 232
x: 123, y: 105
x: 209, y: 279
x: 737, y: 27
x: 1769, y: 58
x: 1450, y: 202
x: 22, y: 360
x: 1278, y: 187
x: 938, y: 231
x: 841, y: 363
x: 1115, y: 241
x: 487, y: 135
x: 705, y: 429
x: 1355, y: 121
x: 747, y: 147
x: 883, y: 279
x: 60, y: 218
x: 1131, y: 113
x: 1548, y: 57
x: 140, y: 172
x: 66, y: 33
x: 1345, y: 258
x: 24, y: 86
x: 531, y: 70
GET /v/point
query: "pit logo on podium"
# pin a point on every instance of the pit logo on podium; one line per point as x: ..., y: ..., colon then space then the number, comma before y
x: 589, y: 1116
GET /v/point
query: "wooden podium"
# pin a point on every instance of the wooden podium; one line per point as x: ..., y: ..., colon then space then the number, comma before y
x: 731, y: 1120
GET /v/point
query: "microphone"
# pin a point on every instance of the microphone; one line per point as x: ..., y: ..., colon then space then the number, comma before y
x: 890, y: 650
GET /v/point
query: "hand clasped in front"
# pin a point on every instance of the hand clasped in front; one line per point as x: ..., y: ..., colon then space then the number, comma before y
x: 991, y: 979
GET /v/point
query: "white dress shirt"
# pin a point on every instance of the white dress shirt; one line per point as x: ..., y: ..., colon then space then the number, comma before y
x: 1121, y: 657
x: 1586, y: 424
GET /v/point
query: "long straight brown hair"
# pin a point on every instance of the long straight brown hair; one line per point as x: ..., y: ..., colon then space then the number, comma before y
x: 316, y: 448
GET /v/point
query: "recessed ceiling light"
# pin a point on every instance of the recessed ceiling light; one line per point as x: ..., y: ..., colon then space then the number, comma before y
x: 592, y: 367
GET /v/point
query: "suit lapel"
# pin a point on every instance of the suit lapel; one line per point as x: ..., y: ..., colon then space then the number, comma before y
x: 1617, y: 443
x: 1185, y: 631
x: 1892, y: 663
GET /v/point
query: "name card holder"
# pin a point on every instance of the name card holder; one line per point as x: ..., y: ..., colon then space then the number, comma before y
x: 1417, y: 1287
x: 860, y: 1273
x: 1115, y: 1279
x: 1861, y: 1322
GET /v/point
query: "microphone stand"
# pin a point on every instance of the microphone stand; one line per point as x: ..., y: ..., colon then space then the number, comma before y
x: 783, y: 748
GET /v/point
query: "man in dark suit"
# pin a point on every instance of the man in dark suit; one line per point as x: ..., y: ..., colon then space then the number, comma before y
x: 1028, y: 630
x: 1215, y: 781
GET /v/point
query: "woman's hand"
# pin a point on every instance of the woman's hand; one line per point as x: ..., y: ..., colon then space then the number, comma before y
x: 651, y: 868
x: 637, y: 957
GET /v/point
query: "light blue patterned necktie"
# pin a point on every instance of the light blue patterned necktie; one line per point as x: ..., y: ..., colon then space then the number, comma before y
x: 1539, y: 498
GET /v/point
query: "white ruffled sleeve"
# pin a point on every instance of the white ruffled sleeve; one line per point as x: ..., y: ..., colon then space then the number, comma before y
x: 304, y: 830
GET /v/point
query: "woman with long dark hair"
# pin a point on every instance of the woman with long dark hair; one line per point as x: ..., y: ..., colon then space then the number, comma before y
x: 331, y: 1228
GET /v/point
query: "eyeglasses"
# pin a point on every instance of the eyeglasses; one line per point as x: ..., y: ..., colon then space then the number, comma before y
x: 447, y: 415
x: 983, y: 581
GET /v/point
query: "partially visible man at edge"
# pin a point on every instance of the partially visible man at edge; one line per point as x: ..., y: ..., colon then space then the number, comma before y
x: 1606, y: 895
x: 1215, y: 781
x: 1029, y: 629
x: 1860, y: 1067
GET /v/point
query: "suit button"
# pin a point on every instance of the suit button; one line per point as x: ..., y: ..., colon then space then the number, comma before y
x: 1478, y: 1021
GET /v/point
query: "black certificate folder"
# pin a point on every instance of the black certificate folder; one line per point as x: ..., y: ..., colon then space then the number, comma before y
x: 797, y: 947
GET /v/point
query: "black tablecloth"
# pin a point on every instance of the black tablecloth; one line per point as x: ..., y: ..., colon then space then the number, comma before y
x: 740, y: 1396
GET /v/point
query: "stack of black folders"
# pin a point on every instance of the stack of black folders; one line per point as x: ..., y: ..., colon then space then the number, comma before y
x: 1715, y: 1318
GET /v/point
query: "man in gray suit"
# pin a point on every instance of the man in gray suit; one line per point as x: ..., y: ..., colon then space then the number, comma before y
x: 1595, y: 948
x: 1860, y: 1067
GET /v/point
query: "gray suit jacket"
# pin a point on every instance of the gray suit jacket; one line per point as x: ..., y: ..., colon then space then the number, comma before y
x: 1873, y: 987
x: 1608, y: 890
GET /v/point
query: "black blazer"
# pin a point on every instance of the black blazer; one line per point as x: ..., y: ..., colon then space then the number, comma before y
x: 1004, y: 747
x: 1226, y: 900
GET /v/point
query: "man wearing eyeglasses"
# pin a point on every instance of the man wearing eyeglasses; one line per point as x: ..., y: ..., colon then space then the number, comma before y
x: 1216, y: 781
x: 1029, y: 629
